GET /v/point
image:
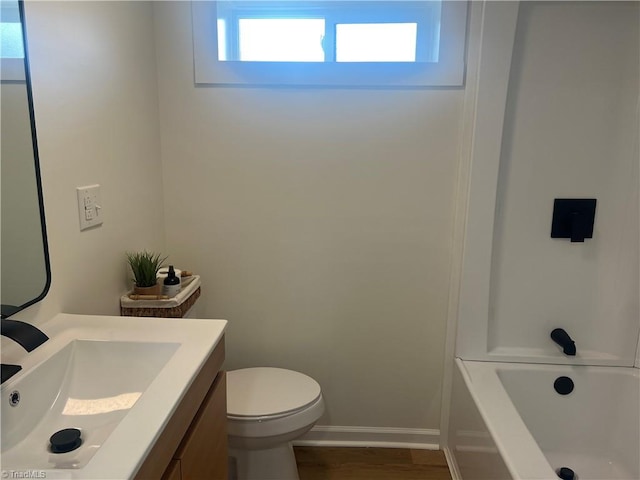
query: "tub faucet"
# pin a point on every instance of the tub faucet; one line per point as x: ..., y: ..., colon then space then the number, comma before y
x: 24, y: 333
x: 563, y: 339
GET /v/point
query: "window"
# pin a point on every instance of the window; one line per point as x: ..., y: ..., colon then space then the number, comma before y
x: 11, y: 43
x: 270, y: 40
x: 328, y: 42
x: 329, y: 32
x: 377, y: 42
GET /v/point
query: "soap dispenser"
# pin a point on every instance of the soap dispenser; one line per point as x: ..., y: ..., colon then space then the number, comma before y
x: 171, y: 285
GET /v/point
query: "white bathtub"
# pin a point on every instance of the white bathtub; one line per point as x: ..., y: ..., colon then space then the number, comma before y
x: 507, y: 421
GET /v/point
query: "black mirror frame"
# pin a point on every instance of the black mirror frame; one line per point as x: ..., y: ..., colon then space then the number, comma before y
x: 6, y: 309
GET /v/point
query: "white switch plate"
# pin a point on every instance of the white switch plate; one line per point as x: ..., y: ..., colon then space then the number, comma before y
x: 89, y: 206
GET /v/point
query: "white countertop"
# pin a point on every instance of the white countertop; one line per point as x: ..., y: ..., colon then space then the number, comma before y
x: 122, y: 453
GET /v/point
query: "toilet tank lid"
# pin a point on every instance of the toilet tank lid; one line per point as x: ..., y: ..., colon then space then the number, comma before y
x: 264, y: 391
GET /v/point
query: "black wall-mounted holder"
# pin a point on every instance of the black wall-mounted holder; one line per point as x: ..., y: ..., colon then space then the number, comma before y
x: 573, y: 218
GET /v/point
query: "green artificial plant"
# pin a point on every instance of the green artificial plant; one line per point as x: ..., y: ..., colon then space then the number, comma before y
x: 145, y: 266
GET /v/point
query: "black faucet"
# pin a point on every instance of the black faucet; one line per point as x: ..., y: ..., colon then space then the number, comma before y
x: 9, y: 370
x: 24, y: 333
x: 563, y: 339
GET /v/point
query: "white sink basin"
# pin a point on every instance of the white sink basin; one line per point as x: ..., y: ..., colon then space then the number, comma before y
x: 116, y: 379
x: 89, y: 385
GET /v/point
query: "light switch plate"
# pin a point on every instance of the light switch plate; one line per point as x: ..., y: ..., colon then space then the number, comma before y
x: 89, y: 206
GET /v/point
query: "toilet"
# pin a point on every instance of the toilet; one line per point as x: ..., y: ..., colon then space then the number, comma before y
x: 267, y: 408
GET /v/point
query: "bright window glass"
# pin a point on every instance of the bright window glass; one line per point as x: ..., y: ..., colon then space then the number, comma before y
x: 222, y: 39
x: 11, y: 45
x: 281, y: 39
x: 376, y: 42
x: 11, y: 40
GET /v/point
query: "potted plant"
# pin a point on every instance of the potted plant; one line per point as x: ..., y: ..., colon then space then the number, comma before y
x: 145, y: 266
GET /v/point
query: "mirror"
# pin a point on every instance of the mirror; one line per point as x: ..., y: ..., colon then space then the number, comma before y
x: 24, y: 261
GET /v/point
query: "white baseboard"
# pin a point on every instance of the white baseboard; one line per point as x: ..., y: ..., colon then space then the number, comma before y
x: 383, y: 437
x: 453, y: 465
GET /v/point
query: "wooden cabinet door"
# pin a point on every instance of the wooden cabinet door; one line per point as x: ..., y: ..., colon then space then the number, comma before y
x: 173, y: 471
x: 203, y: 451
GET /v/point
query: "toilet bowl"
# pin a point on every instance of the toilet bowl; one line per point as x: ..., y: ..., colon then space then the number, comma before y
x: 267, y: 408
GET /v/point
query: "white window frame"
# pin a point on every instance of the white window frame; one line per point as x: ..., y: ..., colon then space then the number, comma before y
x: 448, y: 71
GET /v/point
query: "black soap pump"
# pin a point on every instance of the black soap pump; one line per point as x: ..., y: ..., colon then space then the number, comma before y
x: 171, y: 285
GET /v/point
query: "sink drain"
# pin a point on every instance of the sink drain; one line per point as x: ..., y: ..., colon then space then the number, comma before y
x: 65, y: 440
x: 565, y: 473
x: 14, y: 398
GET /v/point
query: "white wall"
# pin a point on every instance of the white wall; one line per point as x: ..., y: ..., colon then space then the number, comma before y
x: 321, y: 223
x: 570, y: 131
x: 96, y: 107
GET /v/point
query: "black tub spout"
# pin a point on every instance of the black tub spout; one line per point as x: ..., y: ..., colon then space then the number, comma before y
x: 563, y: 339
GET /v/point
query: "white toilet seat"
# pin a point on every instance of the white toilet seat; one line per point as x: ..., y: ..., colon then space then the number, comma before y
x: 266, y: 418
x: 286, y: 424
x: 268, y: 408
x: 268, y: 393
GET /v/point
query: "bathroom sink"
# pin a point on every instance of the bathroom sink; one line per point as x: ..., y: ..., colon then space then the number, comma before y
x: 89, y: 385
x: 115, y: 379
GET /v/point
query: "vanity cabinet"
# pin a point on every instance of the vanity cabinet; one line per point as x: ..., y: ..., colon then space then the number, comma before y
x: 193, y: 444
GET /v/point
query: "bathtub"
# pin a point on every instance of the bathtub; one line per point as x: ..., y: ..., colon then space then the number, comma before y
x: 508, y: 421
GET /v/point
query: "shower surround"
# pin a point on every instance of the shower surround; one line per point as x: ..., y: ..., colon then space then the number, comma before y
x: 555, y: 116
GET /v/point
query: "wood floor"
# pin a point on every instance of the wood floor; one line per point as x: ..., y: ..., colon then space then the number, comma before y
x: 331, y: 463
